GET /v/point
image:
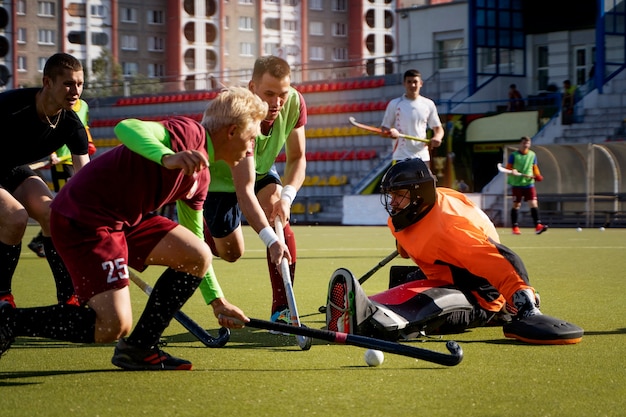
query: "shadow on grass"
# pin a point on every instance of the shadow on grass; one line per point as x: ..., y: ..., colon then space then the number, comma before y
x: 7, y: 377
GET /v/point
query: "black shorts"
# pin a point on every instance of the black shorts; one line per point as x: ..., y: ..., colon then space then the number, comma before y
x: 12, y: 178
x: 221, y: 210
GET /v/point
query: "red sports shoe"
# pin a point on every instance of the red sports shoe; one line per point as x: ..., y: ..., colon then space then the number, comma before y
x: 516, y: 230
x: 540, y: 228
x: 8, y: 298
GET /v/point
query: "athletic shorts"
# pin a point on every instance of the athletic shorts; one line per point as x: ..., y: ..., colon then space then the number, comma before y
x: 523, y: 193
x: 221, y: 210
x: 59, y: 174
x: 97, y: 258
x: 12, y: 178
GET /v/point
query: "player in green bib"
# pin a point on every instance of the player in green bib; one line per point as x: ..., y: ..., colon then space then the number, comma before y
x: 523, y: 162
x: 254, y: 188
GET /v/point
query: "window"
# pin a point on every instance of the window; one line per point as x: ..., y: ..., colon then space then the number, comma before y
x: 246, y: 49
x: 272, y: 23
x: 156, y: 17
x: 339, y: 5
x: 270, y: 48
x: 45, y: 37
x: 130, y: 69
x: 21, y: 64
x: 21, y: 35
x: 542, y: 67
x: 156, y: 44
x: 128, y: 15
x: 450, y: 53
x: 316, y: 4
x: 340, y: 54
x: 340, y: 29
x: 156, y: 70
x: 291, y: 26
x: 316, y: 28
x: 46, y: 8
x: 246, y: 2
x: 129, y: 43
x: 21, y: 7
x: 245, y: 23
x: 41, y: 63
x: 98, y: 10
x: 226, y: 22
x: 316, y: 53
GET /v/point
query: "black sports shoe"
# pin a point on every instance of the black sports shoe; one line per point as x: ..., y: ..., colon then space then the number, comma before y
x: 36, y: 245
x: 153, y: 359
x: 6, y: 331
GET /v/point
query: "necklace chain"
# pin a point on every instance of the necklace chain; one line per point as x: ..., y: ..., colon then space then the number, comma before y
x: 53, y: 125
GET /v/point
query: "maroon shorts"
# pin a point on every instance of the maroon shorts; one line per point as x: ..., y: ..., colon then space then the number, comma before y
x: 523, y: 193
x: 98, y: 258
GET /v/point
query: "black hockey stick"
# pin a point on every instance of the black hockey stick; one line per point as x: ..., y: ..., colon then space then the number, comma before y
x: 194, y: 328
x: 379, y: 265
x: 371, y: 272
x: 454, y: 358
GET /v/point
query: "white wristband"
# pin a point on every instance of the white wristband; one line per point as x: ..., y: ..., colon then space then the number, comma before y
x: 268, y: 236
x: 288, y: 193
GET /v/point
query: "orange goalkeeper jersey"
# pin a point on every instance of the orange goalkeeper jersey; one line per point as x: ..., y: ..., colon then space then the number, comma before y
x: 456, y: 242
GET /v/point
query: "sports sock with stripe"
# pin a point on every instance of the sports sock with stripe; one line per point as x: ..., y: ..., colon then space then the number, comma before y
x: 62, y: 278
x: 9, y: 256
x: 61, y: 322
x: 279, y: 299
x: 170, y: 292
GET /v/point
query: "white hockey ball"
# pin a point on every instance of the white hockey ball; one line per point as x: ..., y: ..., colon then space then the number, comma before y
x: 374, y: 357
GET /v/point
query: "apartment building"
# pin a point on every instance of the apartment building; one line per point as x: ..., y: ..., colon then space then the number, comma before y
x: 197, y: 44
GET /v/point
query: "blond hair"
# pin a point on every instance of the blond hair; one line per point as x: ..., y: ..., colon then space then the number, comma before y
x: 234, y: 106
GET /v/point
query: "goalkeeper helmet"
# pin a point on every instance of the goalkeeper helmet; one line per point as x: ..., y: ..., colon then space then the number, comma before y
x: 413, y: 178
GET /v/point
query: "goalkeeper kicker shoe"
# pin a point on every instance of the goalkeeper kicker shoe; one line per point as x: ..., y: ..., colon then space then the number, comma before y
x: 339, y: 308
x: 133, y: 358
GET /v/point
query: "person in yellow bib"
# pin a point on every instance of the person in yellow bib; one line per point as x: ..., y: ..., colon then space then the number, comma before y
x: 524, y: 173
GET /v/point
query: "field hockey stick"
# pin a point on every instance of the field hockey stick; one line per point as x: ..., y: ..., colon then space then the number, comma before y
x: 379, y: 265
x: 41, y: 164
x: 303, y: 341
x: 501, y: 168
x: 194, y: 328
x: 371, y: 272
x: 380, y: 131
x: 454, y: 358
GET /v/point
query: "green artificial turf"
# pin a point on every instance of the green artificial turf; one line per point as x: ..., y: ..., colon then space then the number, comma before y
x: 580, y: 276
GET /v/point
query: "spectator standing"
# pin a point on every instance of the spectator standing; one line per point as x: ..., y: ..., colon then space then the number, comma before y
x: 516, y: 101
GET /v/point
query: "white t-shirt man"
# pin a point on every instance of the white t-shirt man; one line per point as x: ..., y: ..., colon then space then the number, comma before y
x: 411, y: 117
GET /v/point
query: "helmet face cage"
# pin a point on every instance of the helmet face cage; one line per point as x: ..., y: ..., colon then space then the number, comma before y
x: 414, y: 177
x: 414, y: 199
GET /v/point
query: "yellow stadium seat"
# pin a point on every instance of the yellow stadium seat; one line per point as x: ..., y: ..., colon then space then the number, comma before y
x: 297, y: 208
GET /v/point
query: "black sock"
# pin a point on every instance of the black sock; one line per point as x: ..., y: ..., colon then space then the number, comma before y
x: 514, y: 213
x: 169, y: 294
x: 61, y: 321
x: 65, y: 288
x: 534, y: 212
x: 9, y: 256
